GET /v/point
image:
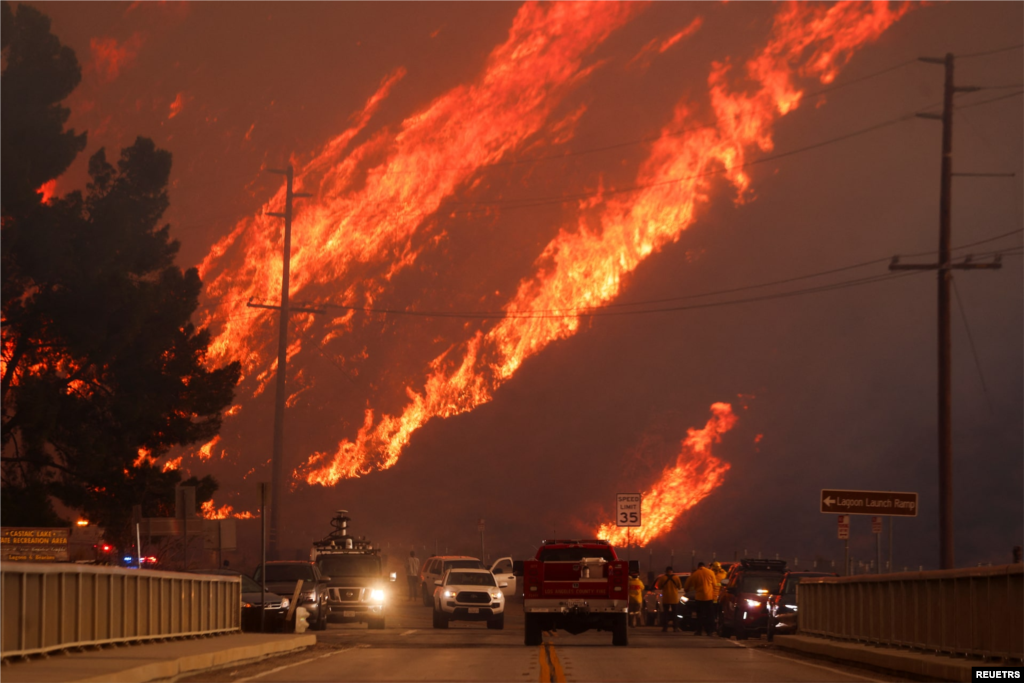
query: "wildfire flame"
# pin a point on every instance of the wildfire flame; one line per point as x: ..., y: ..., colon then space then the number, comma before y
x: 368, y: 217
x: 694, y: 476
x: 586, y: 264
x: 209, y: 510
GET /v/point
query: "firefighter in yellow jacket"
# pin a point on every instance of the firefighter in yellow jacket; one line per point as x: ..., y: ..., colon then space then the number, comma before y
x: 705, y: 589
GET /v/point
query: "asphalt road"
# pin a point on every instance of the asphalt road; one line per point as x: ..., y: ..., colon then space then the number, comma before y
x: 409, y: 649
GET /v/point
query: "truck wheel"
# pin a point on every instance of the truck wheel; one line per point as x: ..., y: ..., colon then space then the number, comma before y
x: 723, y: 630
x: 440, y: 620
x: 497, y: 623
x: 741, y: 633
x: 620, y: 630
x: 428, y: 599
x: 321, y: 619
x: 534, y: 635
x: 376, y: 624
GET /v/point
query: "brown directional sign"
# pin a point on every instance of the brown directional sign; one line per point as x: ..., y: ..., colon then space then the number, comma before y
x: 31, y: 544
x: 884, y: 503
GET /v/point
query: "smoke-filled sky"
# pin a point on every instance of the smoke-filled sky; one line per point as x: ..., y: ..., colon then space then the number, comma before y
x: 489, y: 157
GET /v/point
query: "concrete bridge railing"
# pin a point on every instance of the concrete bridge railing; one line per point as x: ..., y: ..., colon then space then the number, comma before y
x: 47, y: 607
x: 970, y: 612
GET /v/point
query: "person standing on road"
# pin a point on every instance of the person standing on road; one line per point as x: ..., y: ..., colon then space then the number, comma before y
x: 720, y: 575
x: 412, y: 575
x: 636, y: 599
x: 702, y: 582
x: 669, y: 584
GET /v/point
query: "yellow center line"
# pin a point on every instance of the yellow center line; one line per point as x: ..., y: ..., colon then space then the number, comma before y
x: 550, y: 668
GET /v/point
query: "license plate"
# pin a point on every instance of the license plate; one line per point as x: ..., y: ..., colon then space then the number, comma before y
x: 576, y: 603
x: 474, y: 610
x: 348, y: 614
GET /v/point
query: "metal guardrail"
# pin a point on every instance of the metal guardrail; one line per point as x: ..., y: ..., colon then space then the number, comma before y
x: 47, y: 607
x: 971, y: 612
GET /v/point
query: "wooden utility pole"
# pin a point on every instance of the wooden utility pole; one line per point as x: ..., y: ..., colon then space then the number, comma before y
x: 277, y: 458
x: 945, y: 266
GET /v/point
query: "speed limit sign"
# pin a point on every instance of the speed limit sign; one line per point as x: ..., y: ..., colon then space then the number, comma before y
x: 627, y: 509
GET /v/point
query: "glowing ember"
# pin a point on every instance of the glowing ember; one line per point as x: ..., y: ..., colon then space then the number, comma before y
x: 586, y: 264
x: 694, y: 476
x: 145, y: 456
x: 206, y: 451
x: 172, y: 464
x: 47, y: 191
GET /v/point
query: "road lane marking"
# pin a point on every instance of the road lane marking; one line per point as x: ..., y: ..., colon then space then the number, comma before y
x: 408, y: 632
x: 550, y: 668
x: 800, y: 661
x: 302, y: 661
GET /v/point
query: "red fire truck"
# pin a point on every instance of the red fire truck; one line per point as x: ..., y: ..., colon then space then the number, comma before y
x: 575, y: 586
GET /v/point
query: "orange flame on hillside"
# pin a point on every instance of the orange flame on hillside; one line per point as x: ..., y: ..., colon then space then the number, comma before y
x: 694, y: 476
x: 585, y: 265
x: 370, y: 201
x: 209, y: 510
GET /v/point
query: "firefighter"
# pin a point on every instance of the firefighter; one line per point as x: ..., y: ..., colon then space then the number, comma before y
x: 702, y: 583
x: 669, y: 584
x: 636, y: 600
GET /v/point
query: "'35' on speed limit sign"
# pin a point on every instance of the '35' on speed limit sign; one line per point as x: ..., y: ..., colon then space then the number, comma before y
x: 627, y: 509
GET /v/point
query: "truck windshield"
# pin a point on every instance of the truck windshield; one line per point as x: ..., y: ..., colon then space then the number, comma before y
x: 575, y: 554
x: 470, y: 579
x: 349, y: 565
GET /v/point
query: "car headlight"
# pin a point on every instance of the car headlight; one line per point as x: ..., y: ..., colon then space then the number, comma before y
x: 495, y: 595
x: 683, y: 599
x: 285, y: 602
x: 753, y: 603
x: 792, y: 607
x: 377, y: 595
x: 449, y: 594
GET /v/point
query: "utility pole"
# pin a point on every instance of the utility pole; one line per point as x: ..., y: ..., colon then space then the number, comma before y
x: 945, y: 266
x: 277, y: 458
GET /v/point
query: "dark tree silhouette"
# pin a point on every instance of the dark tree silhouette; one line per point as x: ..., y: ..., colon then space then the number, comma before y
x: 101, y: 363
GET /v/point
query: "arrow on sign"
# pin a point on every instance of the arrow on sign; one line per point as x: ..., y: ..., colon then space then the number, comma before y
x: 828, y: 501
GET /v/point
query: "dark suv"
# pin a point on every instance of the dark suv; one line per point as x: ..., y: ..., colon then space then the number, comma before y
x: 284, y: 576
x: 743, y: 601
x: 785, y: 602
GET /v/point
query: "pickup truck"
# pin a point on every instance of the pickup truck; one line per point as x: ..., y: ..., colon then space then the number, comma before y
x: 575, y: 586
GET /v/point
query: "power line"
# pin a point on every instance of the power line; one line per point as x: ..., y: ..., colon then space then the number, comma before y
x: 541, y: 201
x: 598, y: 312
x: 583, y: 311
x: 989, y: 101
x: 974, y: 350
x: 990, y: 52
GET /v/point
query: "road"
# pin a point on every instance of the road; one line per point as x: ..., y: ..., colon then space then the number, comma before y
x: 409, y: 649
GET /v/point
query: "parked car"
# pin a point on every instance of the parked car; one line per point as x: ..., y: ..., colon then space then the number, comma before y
x: 743, y: 601
x: 687, y: 613
x: 283, y: 576
x: 275, y: 608
x: 785, y: 602
x: 469, y: 595
x: 434, y: 569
